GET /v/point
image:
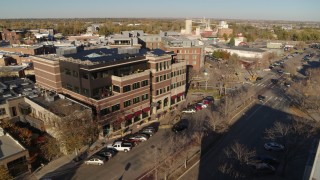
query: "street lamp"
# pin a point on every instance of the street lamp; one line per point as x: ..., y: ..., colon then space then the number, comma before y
x: 207, y: 76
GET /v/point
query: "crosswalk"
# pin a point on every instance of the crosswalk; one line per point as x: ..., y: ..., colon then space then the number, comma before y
x: 276, y: 98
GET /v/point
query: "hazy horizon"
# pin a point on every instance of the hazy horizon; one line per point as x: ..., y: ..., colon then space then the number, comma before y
x: 284, y: 10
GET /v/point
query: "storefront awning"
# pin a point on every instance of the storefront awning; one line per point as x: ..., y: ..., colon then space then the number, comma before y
x: 180, y: 94
x: 137, y: 113
x: 145, y: 110
x: 174, y: 97
x: 128, y: 117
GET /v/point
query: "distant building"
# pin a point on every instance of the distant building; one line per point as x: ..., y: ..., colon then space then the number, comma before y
x: 223, y: 25
x: 185, y: 50
x: 13, y: 36
x: 30, y: 50
x: 13, y: 155
x: 226, y: 31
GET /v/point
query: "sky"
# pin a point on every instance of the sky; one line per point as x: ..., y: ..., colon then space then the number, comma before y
x: 295, y: 10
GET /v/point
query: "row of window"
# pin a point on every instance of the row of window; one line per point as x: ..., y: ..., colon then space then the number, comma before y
x: 163, y: 65
x: 187, y: 57
x: 169, y: 75
x: 128, y: 103
x: 95, y: 75
x: 130, y: 87
x: 178, y: 84
x: 168, y: 88
x: 187, y: 51
x: 76, y: 89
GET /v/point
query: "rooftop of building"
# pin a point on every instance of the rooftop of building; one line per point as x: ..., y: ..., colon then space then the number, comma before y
x: 16, y: 88
x: 9, y: 146
x: 107, y: 55
x: 176, y: 38
x: 246, y: 49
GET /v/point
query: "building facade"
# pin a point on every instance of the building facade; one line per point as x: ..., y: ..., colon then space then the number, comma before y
x: 122, y: 89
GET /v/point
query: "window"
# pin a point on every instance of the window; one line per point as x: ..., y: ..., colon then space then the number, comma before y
x: 157, y: 79
x: 67, y: 71
x: 157, y: 66
x: 144, y: 97
x: 136, y: 100
x: 105, y: 111
x: 164, y: 77
x: 194, y: 62
x: 136, y: 85
x: 186, y: 57
x: 116, y: 88
x: 2, y: 111
x: 75, y: 73
x: 85, y: 76
x: 194, y: 56
x: 127, y: 88
x: 76, y: 89
x: 172, y: 74
x: 115, y: 107
x: 105, y: 74
x: 144, y: 83
x: 127, y: 103
x: 161, y: 78
x: 157, y: 92
x: 69, y: 86
x: 168, y: 88
x: 165, y: 65
x: 85, y: 91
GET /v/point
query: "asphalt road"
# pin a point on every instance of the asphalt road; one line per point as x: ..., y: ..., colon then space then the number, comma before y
x: 249, y: 130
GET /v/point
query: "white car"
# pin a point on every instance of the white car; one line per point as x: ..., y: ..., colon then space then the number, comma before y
x: 189, y: 111
x: 203, y: 105
x: 273, y: 146
x: 95, y: 161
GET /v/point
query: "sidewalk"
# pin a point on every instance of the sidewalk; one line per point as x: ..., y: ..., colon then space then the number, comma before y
x: 66, y: 163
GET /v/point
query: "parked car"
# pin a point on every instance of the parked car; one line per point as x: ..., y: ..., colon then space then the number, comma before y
x: 180, y: 126
x: 209, y: 98
x: 120, y: 146
x: 274, y: 81
x: 273, y: 146
x: 107, y: 153
x: 263, y: 169
x: 189, y: 111
x: 95, y: 160
x: 267, y: 159
x: 203, y: 106
x: 198, y: 107
x: 140, y: 137
x: 261, y: 97
x: 259, y: 78
x: 148, y: 131
x: 207, y: 102
x: 280, y: 71
x: 287, y: 84
x: 129, y: 138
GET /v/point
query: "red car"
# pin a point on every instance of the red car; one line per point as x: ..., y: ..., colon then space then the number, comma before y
x: 206, y: 102
x: 197, y: 107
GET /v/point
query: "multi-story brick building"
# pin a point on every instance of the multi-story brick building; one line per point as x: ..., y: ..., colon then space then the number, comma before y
x: 123, y: 89
x: 13, y: 36
x: 186, y: 50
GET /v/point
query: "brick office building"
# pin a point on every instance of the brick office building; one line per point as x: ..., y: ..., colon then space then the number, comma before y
x: 119, y: 87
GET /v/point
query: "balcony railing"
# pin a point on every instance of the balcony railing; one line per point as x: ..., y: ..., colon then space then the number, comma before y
x: 134, y: 75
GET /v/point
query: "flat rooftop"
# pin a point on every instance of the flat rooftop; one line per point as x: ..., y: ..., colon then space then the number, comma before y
x: 103, y: 54
x: 9, y: 146
x: 15, y: 88
x: 246, y: 49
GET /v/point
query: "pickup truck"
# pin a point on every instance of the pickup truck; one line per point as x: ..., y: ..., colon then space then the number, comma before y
x: 120, y: 146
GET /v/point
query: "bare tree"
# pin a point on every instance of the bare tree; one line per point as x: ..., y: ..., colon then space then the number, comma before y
x: 293, y: 135
x: 236, y: 161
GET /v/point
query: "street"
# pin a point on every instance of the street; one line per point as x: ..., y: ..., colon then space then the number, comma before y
x: 249, y: 130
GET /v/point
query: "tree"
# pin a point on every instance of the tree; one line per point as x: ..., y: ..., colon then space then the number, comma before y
x: 4, y: 173
x: 294, y: 135
x: 232, y: 42
x: 50, y: 149
x: 236, y: 162
x: 225, y: 36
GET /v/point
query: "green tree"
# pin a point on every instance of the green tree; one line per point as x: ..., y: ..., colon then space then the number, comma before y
x: 232, y: 42
x: 50, y: 149
x: 225, y: 36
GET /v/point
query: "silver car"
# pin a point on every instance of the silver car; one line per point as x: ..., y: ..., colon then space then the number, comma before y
x: 95, y: 161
